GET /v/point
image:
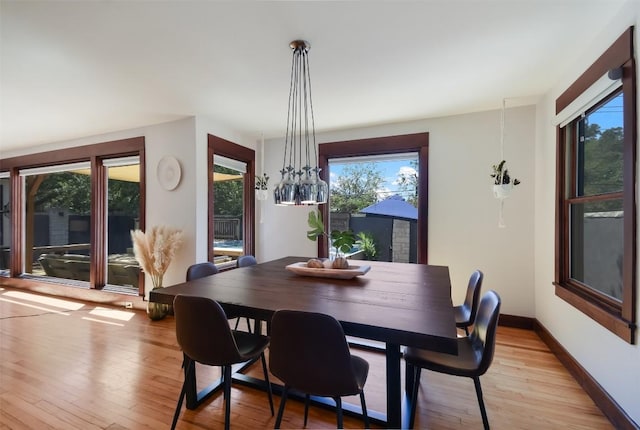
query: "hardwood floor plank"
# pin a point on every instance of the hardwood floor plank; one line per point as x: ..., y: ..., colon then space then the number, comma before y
x: 100, y: 368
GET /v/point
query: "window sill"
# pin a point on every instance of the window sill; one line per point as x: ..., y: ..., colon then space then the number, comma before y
x: 610, y: 320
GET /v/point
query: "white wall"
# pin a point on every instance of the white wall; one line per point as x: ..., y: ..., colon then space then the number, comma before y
x: 463, y: 214
x: 612, y: 362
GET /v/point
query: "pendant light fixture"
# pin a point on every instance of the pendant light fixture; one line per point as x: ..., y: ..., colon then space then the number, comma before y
x: 300, y: 183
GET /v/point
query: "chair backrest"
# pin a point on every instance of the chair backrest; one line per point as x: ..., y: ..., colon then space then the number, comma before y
x: 200, y: 270
x: 485, y: 326
x: 309, y: 352
x: 203, y: 332
x: 246, y: 260
x: 473, y: 294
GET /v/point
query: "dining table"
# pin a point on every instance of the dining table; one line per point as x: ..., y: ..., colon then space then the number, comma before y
x: 392, y: 304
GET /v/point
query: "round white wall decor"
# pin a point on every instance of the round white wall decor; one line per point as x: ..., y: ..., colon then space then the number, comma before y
x: 168, y: 172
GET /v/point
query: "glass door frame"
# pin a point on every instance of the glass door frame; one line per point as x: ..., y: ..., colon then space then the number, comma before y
x: 217, y: 145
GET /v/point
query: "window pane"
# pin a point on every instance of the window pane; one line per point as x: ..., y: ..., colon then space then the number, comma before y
x: 5, y: 225
x: 58, y: 225
x: 123, y: 216
x: 597, y: 245
x: 600, y: 149
x: 377, y: 199
x: 228, y: 214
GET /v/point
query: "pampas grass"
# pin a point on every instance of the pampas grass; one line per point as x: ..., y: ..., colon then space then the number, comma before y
x: 155, y: 249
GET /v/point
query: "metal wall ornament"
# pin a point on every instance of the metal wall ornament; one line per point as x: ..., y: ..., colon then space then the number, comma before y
x: 301, y: 183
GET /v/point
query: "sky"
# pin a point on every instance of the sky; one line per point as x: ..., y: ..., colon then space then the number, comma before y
x: 608, y: 115
x: 389, y: 170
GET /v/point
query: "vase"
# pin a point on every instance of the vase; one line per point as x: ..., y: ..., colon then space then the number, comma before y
x: 502, y: 191
x: 262, y: 194
x: 157, y: 311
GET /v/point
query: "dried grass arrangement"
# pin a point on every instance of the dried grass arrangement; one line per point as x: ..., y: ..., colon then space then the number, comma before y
x: 155, y: 249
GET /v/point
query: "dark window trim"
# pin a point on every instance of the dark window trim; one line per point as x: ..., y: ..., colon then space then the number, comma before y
x: 93, y: 153
x: 418, y: 142
x: 217, y: 145
x: 618, y: 317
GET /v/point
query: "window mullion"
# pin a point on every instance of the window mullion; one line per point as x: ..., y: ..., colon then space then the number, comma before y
x: 99, y: 223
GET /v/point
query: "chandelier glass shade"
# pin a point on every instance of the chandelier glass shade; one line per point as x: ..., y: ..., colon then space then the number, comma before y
x: 300, y: 183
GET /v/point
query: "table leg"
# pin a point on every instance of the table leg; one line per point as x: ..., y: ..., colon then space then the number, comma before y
x: 408, y: 379
x: 394, y: 390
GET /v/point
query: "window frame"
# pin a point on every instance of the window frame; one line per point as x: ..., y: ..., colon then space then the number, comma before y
x: 217, y: 145
x: 416, y: 143
x: 95, y: 154
x: 618, y: 317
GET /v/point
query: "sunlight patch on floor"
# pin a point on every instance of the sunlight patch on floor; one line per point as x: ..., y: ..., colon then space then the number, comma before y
x: 49, y: 310
x: 44, y: 300
x: 112, y: 313
x: 103, y: 321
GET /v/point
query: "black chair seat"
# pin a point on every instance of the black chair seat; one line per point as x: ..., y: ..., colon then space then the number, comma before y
x: 466, y: 363
x: 250, y: 344
x: 462, y: 315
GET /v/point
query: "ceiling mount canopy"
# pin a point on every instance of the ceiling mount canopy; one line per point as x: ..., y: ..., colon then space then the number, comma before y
x: 300, y: 183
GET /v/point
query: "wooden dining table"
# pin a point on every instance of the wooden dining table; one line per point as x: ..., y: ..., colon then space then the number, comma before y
x: 394, y: 304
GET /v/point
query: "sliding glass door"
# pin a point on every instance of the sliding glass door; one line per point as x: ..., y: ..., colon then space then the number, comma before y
x: 57, y: 219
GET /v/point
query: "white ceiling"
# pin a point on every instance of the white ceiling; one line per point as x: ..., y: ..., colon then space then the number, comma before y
x: 74, y: 69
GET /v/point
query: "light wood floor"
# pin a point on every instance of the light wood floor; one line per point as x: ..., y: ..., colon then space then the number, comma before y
x: 72, y: 365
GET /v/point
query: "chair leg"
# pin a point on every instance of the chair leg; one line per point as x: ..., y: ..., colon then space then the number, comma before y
x: 227, y: 396
x: 183, y: 393
x: 417, y: 371
x: 266, y: 379
x: 483, y: 411
x: 339, y: 411
x: 364, y: 410
x: 248, y: 324
x: 285, y: 391
x: 306, y: 408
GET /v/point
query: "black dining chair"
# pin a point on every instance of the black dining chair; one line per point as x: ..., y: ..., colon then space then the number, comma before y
x: 309, y: 353
x: 203, y: 333
x: 475, y: 354
x: 246, y: 260
x: 465, y: 313
x: 200, y: 270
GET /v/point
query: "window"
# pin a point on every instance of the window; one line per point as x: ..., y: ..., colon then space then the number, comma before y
x: 595, y: 211
x: 410, y: 148
x: 73, y: 210
x: 377, y: 198
x: 231, y: 201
